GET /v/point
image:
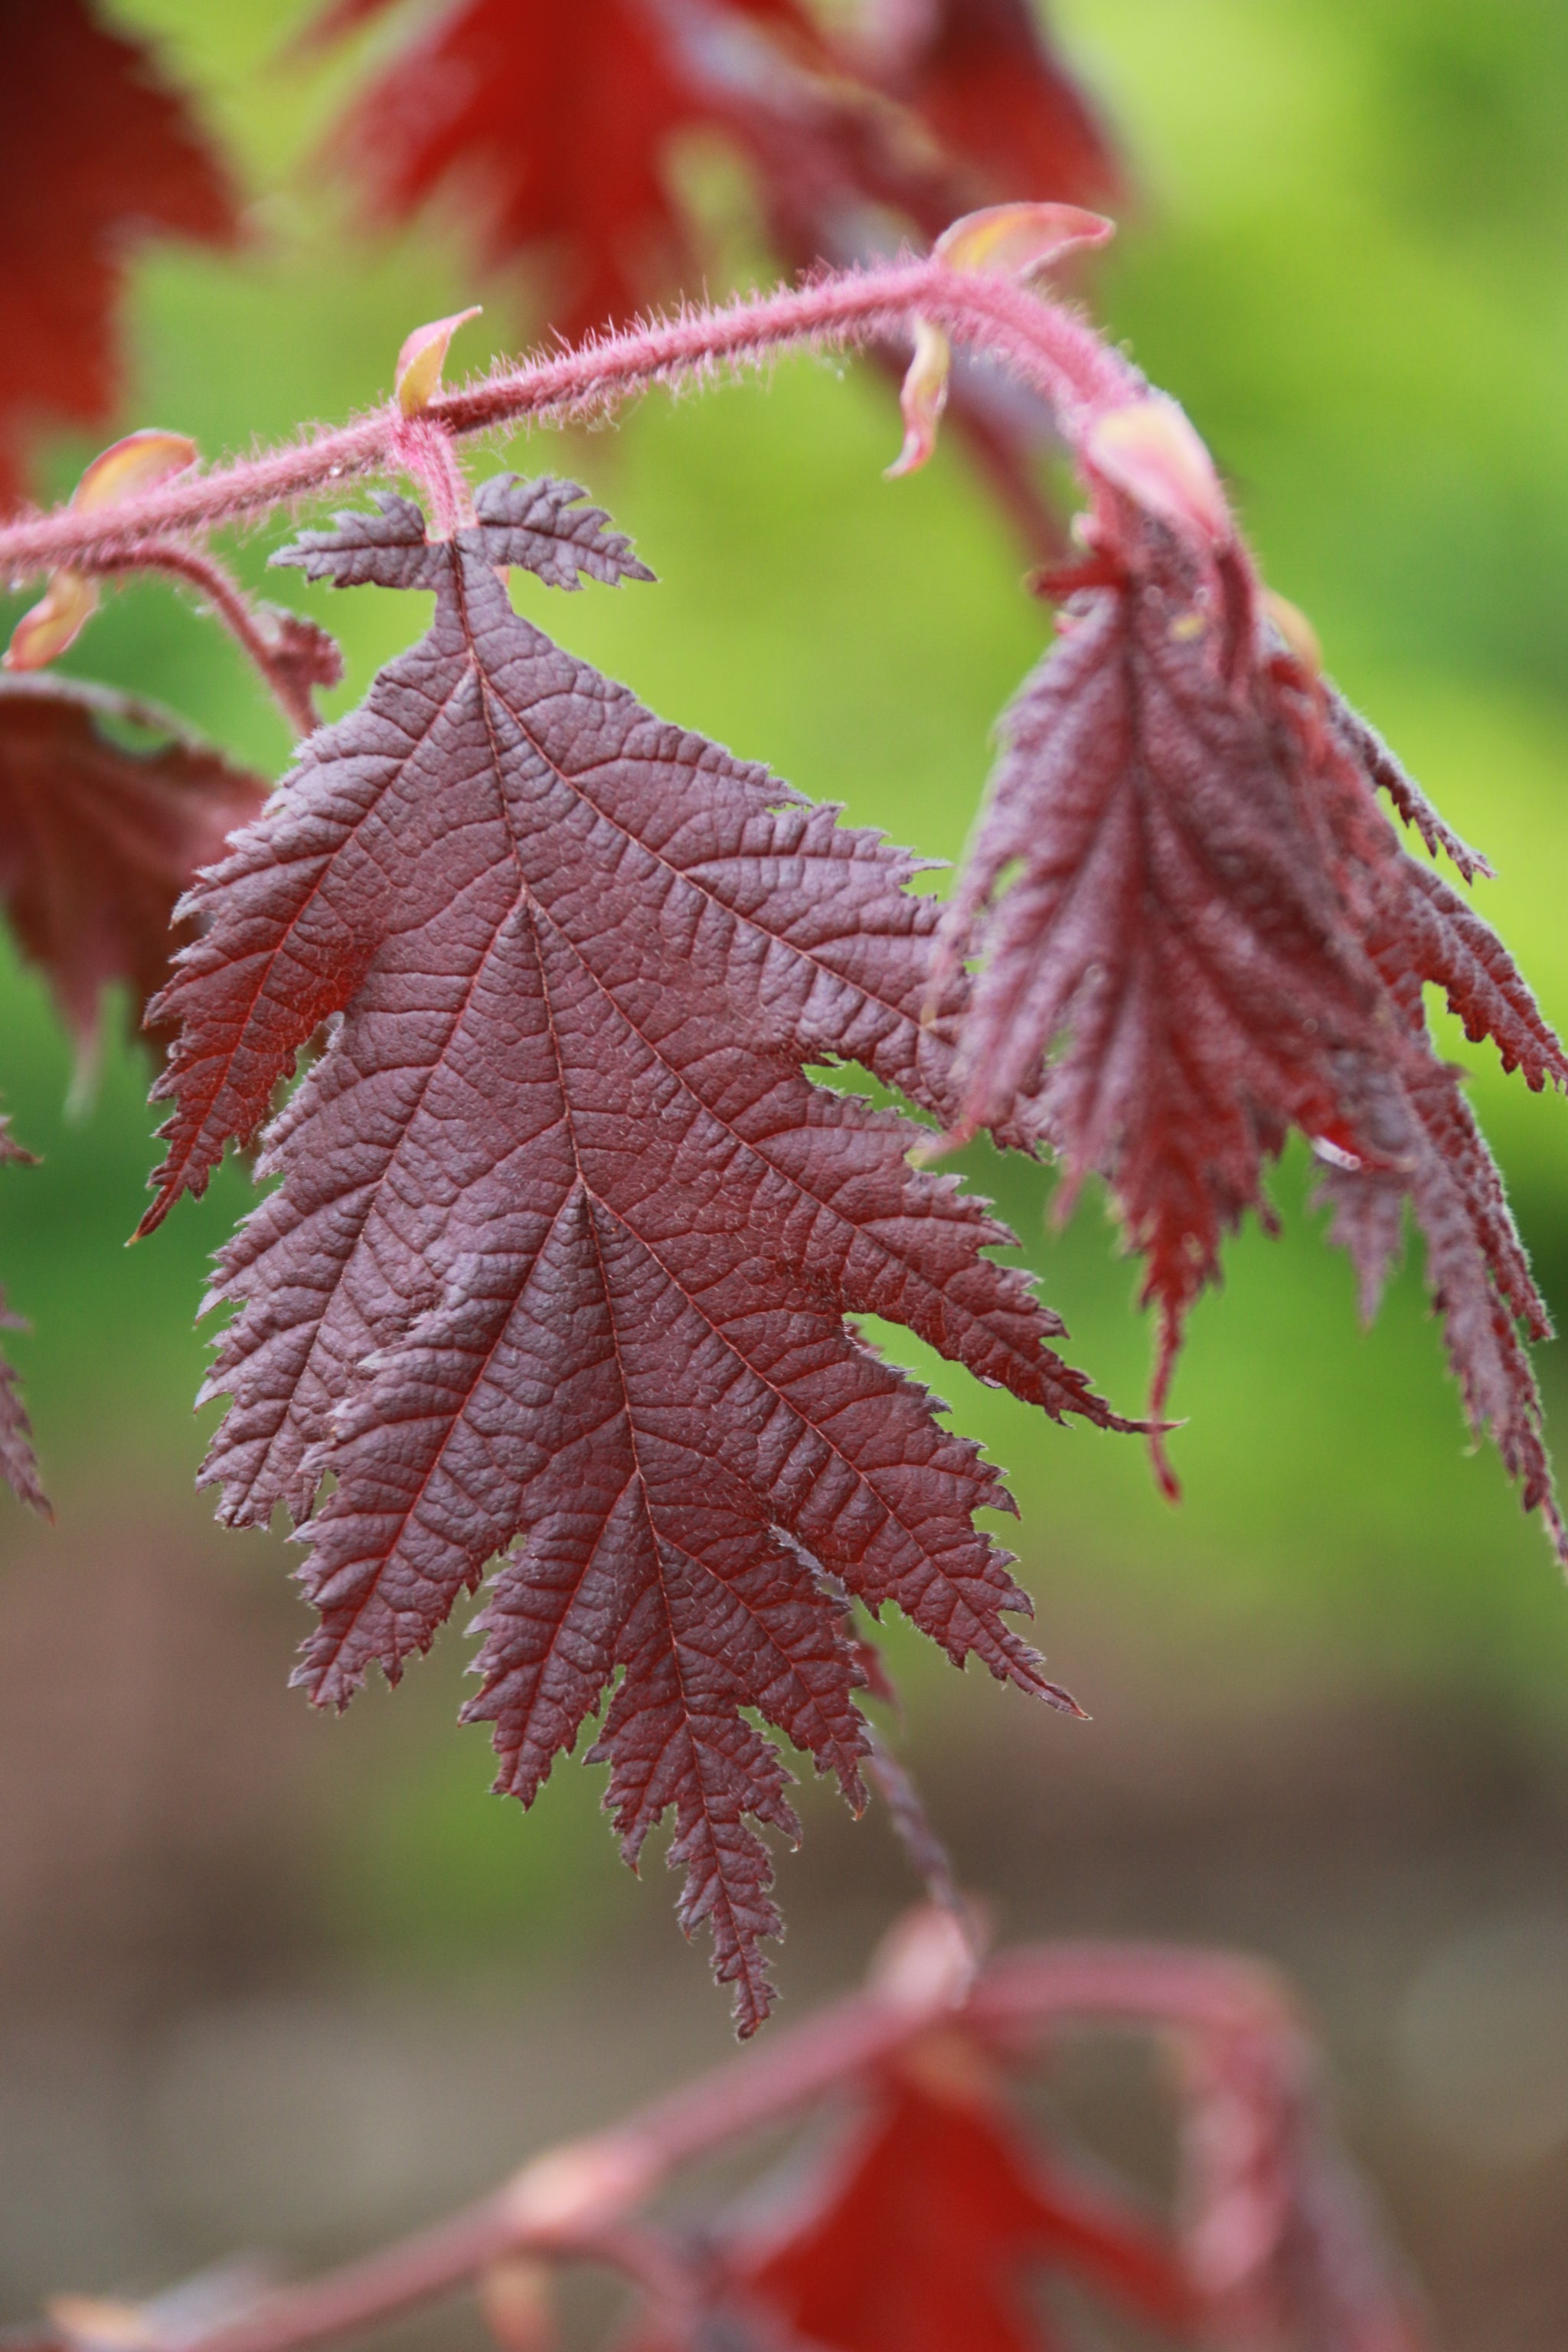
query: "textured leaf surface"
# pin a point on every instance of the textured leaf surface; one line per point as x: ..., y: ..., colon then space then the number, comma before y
x: 1212, y: 935
x: 928, y: 2229
x: 98, y: 153
x: 565, y: 1238
x: 106, y: 810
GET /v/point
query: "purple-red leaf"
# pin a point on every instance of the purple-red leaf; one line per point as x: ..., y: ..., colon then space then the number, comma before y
x: 107, y: 809
x: 559, y: 1265
x: 106, y: 812
x: 1212, y: 936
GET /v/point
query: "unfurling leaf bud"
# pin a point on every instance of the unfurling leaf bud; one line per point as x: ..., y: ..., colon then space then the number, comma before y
x: 128, y: 467
x: 1150, y: 453
x: 923, y: 397
x: 54, y: 623
x: 1020, y: 240
x: 1008, y: 241
x: 124, y: 470
x: 423, y: 357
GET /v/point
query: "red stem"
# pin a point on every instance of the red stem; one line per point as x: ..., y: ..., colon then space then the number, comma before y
x: 632, y: 2159
x: 1052, y: 351
x: 575, y: 2195
x: 224, y: 594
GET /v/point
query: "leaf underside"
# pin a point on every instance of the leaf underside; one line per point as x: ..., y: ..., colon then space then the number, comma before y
x: 559, y: 1264
x: 1200, y: 931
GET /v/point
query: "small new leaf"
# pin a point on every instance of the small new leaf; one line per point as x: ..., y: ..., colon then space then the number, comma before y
x: 416, y: 378
x: 1020, y: 241
x: 560, y: 1262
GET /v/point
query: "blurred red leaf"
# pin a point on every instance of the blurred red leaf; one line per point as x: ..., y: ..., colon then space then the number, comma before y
x: 923, y: 2232
x: 979, y: 74
x: 96, y: 153
x: 555, y: 126
x: 99, y: 837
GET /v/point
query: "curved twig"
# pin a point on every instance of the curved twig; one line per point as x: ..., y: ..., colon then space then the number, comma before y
x: 1054, y: 351
x: 1260, y: 2175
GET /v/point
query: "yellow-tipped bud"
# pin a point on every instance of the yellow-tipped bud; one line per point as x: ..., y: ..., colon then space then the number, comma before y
x: 1009, y: 241
x: 423, y: 357
x: 124, y: 470
x: 55, y: 622
x: 1149, y: 451
x: 128, y: 468
x: 923, y: 398
x: 1020, y: 240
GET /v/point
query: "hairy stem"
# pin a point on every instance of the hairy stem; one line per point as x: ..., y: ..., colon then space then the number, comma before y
x: 919, y: 1836
x: 578, y: 2199
x: 229, y: 601
x: 1052, y: 351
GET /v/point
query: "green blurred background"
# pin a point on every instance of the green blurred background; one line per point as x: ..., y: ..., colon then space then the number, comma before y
x: 1330, y: 1692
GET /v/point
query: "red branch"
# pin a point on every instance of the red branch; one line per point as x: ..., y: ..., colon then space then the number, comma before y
x: 1266, y: 2201
x: 227, y: 601
x: 1047, y: 347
